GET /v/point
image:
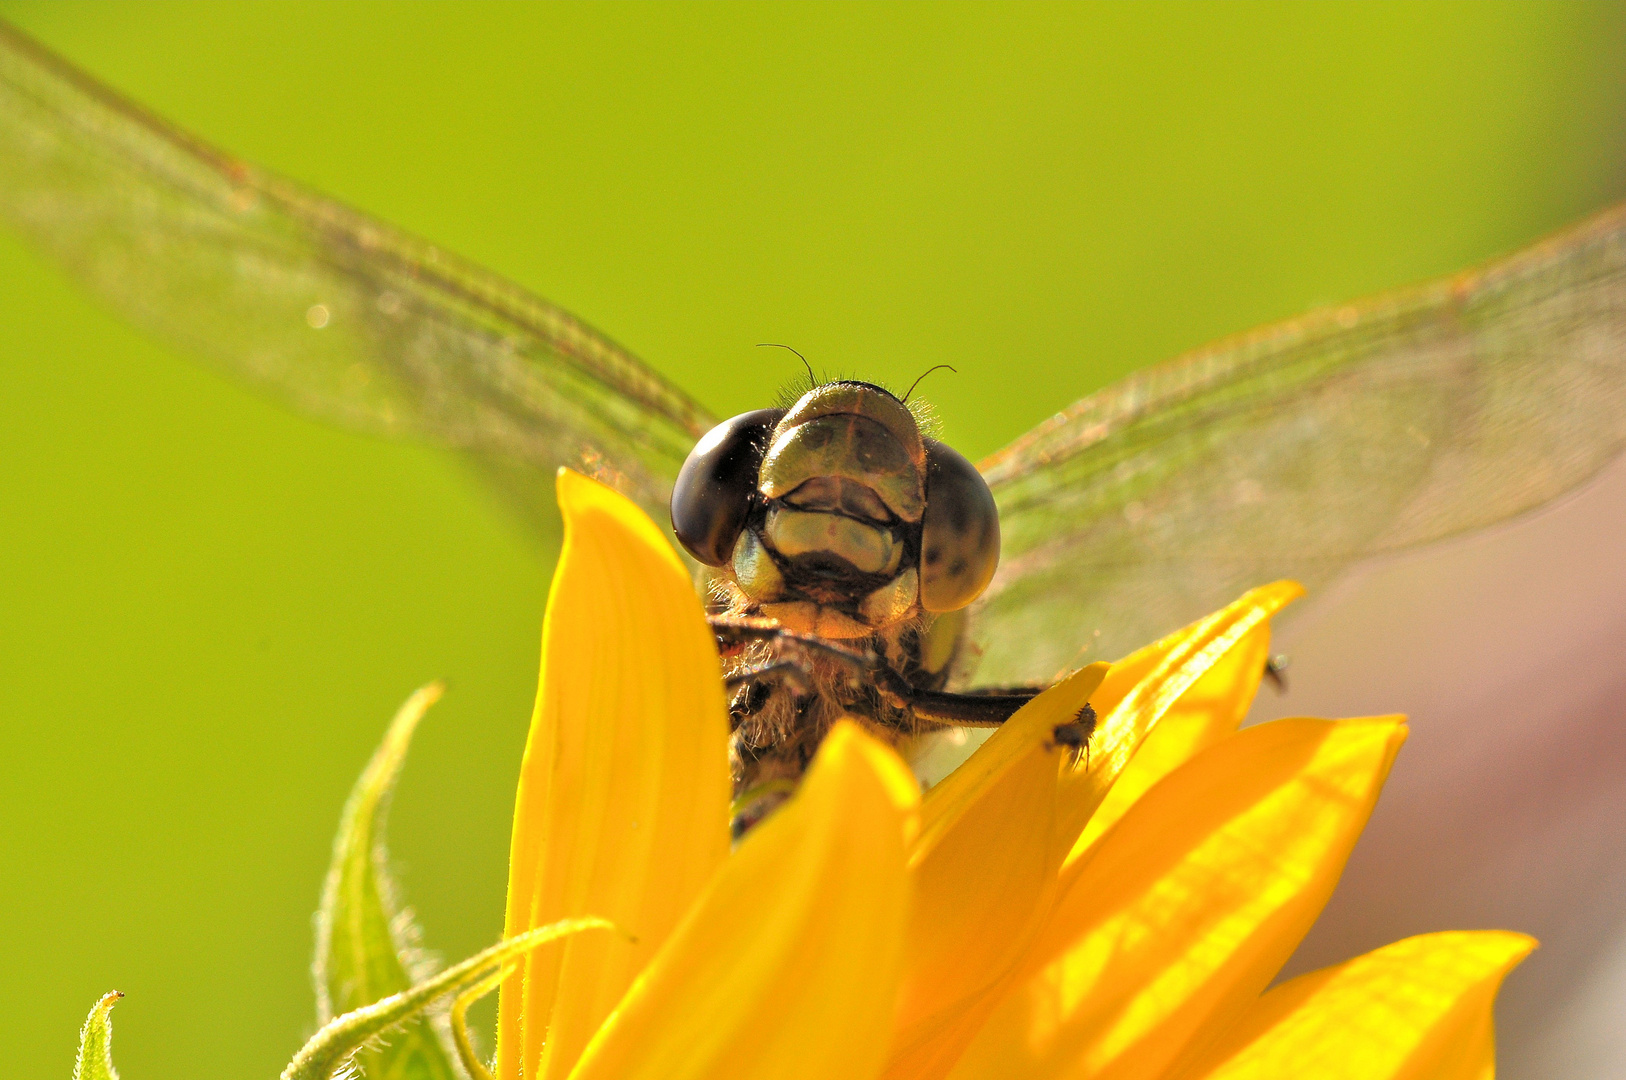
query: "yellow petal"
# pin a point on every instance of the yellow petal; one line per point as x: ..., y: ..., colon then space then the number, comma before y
x: 994, y: 832
x: 1213, y: 707
x: 1145, y: 686
x: 789, y: 965
x: 1419, y: 1009
x: 1180, y: 916
x: 1031, y: 726
x: 1134, y: 669
x: 983, y: 877
x: 623, y: 795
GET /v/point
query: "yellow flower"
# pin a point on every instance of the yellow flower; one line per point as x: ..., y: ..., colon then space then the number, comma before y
x: 1030, y: 916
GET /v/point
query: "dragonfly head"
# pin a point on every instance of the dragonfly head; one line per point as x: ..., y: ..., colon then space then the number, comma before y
x: 853, y: 437
x: 838, y: 505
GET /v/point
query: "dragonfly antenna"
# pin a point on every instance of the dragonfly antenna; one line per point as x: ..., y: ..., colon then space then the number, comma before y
x: 923, y: 374
x: 813, y: 382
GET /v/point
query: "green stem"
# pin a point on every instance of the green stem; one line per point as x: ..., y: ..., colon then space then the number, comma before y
x: 331, y: 1047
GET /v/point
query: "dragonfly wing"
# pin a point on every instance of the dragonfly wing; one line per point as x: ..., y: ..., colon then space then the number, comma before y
x: 1297, y: 449
x: 339, y: 314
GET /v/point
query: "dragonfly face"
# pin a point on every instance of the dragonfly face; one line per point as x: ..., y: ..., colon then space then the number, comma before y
x: 836, y: 517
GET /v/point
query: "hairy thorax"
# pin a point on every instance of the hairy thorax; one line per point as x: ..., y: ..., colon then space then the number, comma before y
x: 779, y: 723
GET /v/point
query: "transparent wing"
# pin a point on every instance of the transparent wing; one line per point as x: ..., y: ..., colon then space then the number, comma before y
x: 341, y: 315
x: 1300, y: 448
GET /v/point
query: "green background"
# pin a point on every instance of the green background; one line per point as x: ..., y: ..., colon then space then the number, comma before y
x: 208, y: 607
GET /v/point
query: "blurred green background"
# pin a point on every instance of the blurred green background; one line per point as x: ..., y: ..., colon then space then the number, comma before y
x: 209, y: 608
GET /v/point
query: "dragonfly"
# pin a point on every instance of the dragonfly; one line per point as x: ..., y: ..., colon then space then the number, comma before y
x: 1295, y: 450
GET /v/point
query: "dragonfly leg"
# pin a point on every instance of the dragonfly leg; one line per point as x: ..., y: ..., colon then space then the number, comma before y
x: 734, y: 632
x: 961, y: 710
x: 987, y: 709
x: 790, y: 670
x: 787, y: 659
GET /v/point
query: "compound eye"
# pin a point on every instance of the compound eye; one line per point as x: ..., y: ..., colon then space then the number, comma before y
x: 959, y: 536
x: 714, y: 488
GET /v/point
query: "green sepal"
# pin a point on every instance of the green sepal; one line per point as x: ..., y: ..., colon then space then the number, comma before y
x: 331, y: 1048
x: 96, y: 1043
x: 367, y: 945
